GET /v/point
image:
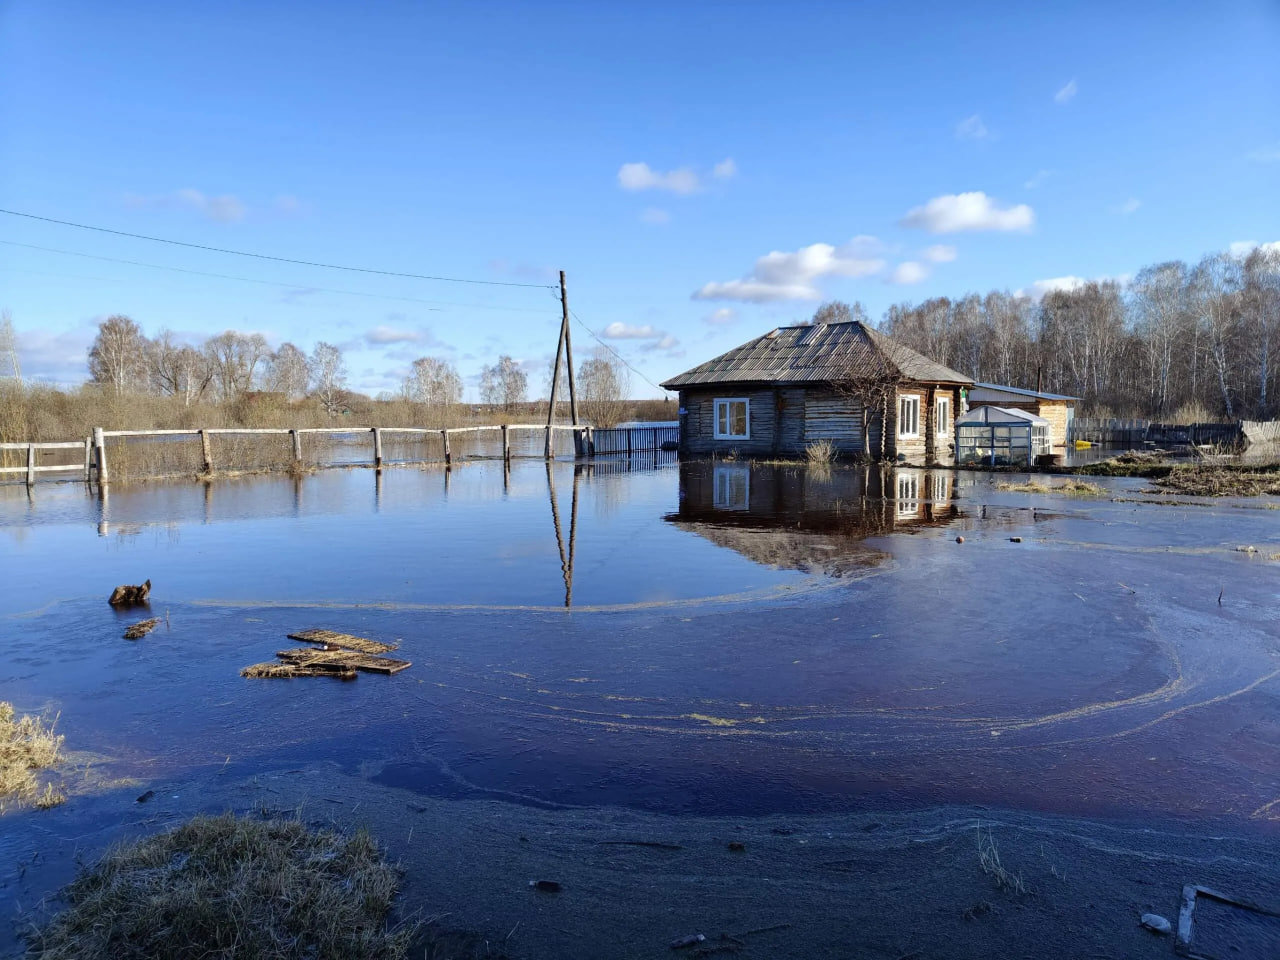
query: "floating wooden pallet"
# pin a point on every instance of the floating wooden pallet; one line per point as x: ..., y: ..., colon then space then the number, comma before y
x: 306, y: 657
x: 343, y: 641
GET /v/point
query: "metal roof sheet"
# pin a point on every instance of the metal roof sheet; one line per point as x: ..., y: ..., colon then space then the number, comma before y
x: 818, y: 353
x: 990, y: 413
x: 1019, y: 391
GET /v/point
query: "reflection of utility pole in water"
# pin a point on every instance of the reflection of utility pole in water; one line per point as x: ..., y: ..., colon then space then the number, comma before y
x: 297, y: 496
x: 377, y: 491
x: 208, y: 502
x: 566, y: 558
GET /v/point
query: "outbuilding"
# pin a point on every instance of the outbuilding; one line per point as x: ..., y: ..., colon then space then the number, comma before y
x: 840, y: 384
x: 999, y: 437
x: 1056, y: 408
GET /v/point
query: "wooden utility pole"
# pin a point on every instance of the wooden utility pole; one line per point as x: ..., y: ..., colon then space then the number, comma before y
x: 564, y: 350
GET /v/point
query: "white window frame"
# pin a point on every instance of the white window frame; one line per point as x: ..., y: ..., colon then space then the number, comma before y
x: 723, y: 403
x: 903, y: 400
x: 939, y: 404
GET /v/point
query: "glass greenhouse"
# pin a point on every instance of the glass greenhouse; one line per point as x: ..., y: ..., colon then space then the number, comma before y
x: 1000, y: 437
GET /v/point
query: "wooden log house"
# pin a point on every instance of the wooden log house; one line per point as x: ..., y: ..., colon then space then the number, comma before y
x: 840, y: 382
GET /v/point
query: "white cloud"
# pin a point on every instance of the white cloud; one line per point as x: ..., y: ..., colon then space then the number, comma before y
x: 640, y: 176
x: 1270, y: 154
x: 971, y: 128
x: 226, y: 208
x: 957, y: 212
x: 664, y: 344
x: 1039, y: 177
x: 1065, y: 284
x: 625, y: 331
x: 1129, y: 206
x: 384, y: 334
x: 791, y: 276
x: 940, y: 253
x: 654, y: 215
x: 54, y: 357
x: 1067, y: 93
x: 1069, y: 283
x: 721, y: 317
x: 1242, y: 248
x: 909, y: 271
x: 726, y: 169
x: 288, y: 205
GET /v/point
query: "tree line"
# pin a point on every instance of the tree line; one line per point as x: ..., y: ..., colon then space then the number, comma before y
x: 1177, y: 342
x: 230, y: 365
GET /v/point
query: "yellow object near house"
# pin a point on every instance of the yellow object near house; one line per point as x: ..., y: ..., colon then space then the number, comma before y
x: 1083, y: 444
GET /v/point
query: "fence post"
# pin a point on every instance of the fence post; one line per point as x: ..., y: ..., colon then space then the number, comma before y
x: 297, y: 446
x: 591, y: 441
x: 31, y: 464
x: 506, y: 444
x: 448, y: 456
x: 88, y: 457
x: 629, y: 431
x: 549, y: 448
x: 100, y: 448
x: 377, y: 448
x: 206, y: 451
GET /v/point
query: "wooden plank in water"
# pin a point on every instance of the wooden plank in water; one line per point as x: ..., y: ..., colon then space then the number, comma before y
x: 343, y: 640
x: 305, y: 656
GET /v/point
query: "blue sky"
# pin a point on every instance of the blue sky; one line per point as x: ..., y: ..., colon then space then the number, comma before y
x: 703, y: 172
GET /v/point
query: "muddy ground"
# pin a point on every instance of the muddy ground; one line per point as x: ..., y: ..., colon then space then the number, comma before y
x: 883, y: 885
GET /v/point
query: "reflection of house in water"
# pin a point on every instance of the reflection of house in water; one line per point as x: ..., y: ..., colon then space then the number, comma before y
x: 808, y: 517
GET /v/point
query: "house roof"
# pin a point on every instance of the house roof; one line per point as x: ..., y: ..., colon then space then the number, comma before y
x: 975, y: 393
x: 818, y: 353
x: 992, y: 414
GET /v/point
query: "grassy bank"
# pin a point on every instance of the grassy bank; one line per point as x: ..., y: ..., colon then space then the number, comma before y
x: 1191, y: 479
x: 27, y: 744
x: 233, y: 888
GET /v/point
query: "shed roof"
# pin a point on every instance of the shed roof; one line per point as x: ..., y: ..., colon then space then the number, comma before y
x: 817, y: 353
x: 978, y: 388
x: 991, y: 414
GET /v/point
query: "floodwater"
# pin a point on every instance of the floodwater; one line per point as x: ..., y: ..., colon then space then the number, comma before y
x: 703, y: 638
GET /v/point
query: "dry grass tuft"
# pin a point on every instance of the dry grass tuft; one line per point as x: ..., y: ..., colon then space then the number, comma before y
x: 1030, y: 486
x: 1222, y: 481
x: 989, y: 860
x: 820, y: 451
x: 1070, y: 487
x: 235, y: 889
x: 27, y: 744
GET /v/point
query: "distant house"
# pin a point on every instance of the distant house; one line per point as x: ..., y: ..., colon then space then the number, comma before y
x: 841, y: 382
x: 1057, y: 408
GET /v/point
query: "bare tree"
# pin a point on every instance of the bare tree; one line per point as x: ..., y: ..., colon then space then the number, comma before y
x: 503, y: 384
x: 287, y: 372
x: 1159, y: 300
x: 837, y: 311
x: 1261, y: 316
x: 9, y: 346
x: 117, y: 357
x: 328, y: 377
x: 235, y: 358
x: 1215, y: 296
x: 434, y: 381
x: 603, y: 383
x: 178, y: 370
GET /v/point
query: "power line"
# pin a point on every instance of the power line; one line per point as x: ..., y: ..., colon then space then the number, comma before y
x: 621, y: 358
x: 269, y: 283
x: 263, y: 256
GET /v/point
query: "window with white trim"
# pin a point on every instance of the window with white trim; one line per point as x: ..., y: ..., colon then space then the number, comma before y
x: 909, y: 416
x: 733, y: 418
x: 942, y: 416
